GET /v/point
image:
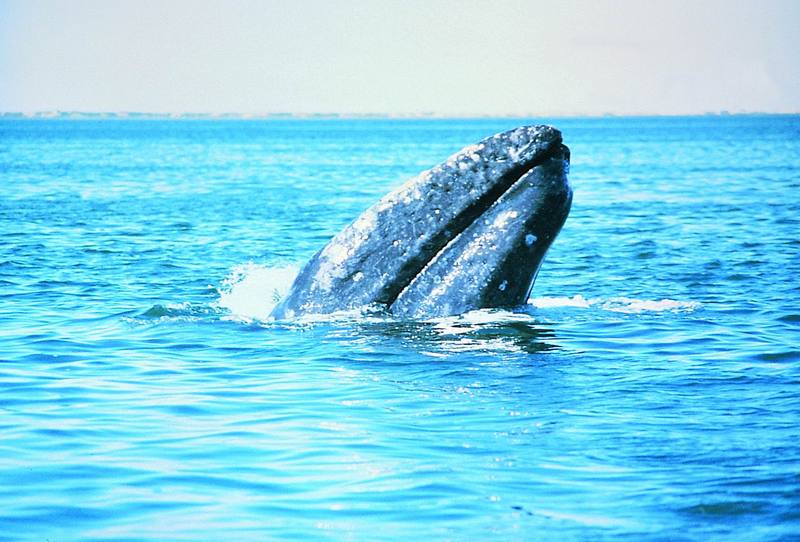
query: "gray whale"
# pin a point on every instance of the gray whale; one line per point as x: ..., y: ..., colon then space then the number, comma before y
x: 467, y: 234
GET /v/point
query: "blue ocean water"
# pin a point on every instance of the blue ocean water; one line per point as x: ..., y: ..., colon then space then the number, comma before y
x: 650, y: 390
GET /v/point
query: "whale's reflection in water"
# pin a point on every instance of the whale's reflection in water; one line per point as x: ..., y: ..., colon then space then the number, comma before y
x: 489, y: 331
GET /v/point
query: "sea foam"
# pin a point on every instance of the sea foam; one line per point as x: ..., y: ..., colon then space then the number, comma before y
x: 251, y: 291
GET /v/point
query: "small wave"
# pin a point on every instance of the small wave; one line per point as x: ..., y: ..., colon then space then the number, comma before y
x: 615, y: 304
x: 168, y: 310
x: 251, y: 291
x: 173, y: 312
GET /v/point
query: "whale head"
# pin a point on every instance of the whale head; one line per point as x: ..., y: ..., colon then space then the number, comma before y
x: 467, y: 234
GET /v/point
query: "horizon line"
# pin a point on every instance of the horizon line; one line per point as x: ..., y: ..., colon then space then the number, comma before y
x: 205, y: 115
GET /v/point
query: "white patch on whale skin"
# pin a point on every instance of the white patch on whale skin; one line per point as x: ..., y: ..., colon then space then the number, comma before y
x: 530, y: 239
x: 366, y: 222
x: 466, y: 158
x: 409, y: 192
x: 473, y: 151
x: 405, y: 193
x: 335, y: 253
x: 503, y: 218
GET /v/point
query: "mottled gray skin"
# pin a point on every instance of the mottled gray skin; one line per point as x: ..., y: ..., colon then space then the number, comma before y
x: 494, y: 262
x: 391, y: 255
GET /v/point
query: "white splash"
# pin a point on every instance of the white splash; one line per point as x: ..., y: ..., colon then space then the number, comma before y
x: 251, y: 291
x: 615, y: 304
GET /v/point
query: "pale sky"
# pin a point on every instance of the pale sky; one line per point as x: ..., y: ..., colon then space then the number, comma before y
x: 451, y: 57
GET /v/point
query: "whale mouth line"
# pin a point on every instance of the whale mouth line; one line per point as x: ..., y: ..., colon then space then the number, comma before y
x: 468, y: 216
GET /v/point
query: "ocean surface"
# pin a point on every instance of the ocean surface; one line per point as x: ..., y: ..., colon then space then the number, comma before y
x: 649, y: 390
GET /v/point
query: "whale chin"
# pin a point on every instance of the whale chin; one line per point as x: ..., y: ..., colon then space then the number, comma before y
x: 470, y: 233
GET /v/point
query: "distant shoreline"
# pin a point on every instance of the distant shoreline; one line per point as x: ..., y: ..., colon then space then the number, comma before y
x: 82, y: 115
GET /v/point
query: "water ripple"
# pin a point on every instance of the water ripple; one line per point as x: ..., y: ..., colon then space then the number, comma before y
x: 648, y: 390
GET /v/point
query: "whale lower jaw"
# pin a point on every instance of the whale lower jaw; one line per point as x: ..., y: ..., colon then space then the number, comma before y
x: 467, y: 234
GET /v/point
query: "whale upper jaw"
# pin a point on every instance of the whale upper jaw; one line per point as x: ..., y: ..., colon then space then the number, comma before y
x: 399, y: 244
